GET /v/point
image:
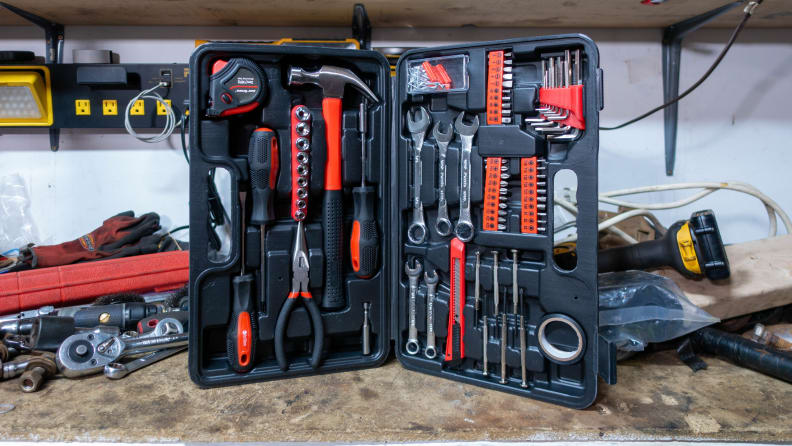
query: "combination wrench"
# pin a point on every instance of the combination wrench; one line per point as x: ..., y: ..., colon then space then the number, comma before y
x: 464, y: 229
x: 431, y: 291
x: 443, y: 223
x: 118, y: 370
x: 417, y: 123
x: 413, y: 274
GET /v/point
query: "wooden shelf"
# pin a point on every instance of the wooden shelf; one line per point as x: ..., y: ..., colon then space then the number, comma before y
x: 389, y: 13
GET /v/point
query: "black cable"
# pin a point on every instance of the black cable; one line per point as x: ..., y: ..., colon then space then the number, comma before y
x: 714, y: 65
x: 178, y: 228
x: 184, y: 119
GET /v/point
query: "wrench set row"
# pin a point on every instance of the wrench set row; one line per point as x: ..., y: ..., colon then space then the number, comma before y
x: 431, y: 199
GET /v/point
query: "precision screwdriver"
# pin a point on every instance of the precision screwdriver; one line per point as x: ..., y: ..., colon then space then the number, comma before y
x: 364, y: 241
x: 240, y: 337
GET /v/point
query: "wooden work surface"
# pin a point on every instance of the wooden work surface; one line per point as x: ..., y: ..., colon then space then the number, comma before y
x: 390, y: 13
x: 657, y: 398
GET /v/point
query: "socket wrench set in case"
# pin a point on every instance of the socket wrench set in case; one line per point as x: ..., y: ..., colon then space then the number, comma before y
x: 365, y: 210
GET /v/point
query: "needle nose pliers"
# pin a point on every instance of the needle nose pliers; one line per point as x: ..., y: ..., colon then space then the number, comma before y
x: 299, y: 290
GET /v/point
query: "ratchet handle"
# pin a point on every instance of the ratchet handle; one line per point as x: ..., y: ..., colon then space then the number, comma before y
x: 364, y: 241
x: 241, y: 334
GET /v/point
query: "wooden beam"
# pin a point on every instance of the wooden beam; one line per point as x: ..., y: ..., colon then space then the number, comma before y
x: 389, y: 13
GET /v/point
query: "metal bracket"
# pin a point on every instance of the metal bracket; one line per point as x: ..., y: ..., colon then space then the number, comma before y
x: 361, y: 27
x: 54, y: 35
x: 672, y: 53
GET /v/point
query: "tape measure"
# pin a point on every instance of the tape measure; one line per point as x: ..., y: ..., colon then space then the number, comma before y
x: 236, y: 86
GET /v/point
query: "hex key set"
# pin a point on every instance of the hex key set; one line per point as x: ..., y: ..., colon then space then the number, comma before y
x: 420, y: 216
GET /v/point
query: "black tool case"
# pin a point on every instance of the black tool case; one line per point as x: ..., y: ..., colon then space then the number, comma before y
x: 562, y: 352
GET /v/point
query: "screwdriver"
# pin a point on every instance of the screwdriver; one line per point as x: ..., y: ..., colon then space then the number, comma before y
x: 364, y: 242
x: 240, y: 340
x: 263, y: 158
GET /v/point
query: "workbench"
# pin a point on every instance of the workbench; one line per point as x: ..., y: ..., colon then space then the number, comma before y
x: 657, y: 398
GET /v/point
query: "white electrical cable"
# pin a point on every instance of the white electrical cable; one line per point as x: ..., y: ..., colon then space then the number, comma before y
x: 170, y: 116
x: 772, y: 208
x: 573, y: 210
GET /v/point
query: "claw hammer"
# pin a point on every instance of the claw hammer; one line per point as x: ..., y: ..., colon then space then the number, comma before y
x: 332, y: 80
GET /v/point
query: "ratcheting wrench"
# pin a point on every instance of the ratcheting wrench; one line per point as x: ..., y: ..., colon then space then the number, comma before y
x: 417, y: 123
x: 88, y: 352
x: 443, y: 223
x: 464, y: 229
x: 431, y: 290
x: 413, y: 274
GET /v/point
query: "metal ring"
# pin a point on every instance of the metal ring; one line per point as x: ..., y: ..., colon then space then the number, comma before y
x: 430, y: 352
x: 302, y: 170
x: 303, y: 128
x: 301, y: 204
x: 303, y: 144
x: 412, y: 347
x: 302, y: 113
x: 551, y: 351
x: 299, y: 215
x: 302, y: 181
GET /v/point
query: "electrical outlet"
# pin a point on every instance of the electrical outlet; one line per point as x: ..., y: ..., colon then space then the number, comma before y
x: 161, y: 109
x: 138, y: 108
x: 82, y: 107
x: 109, y: 107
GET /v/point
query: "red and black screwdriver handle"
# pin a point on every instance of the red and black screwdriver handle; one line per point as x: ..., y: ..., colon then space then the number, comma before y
x: 263, y: 158
x: 241, y: 334
x: 364, y: 240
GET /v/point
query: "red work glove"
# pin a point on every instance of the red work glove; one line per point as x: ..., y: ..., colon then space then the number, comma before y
x: 119, y: 236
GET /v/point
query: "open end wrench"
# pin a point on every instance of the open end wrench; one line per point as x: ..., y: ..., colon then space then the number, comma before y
x: 443, y: 223
x: 431, y: 291
x: 464, y: 229
x: 118, y: 370
x: 413, y: 274
x: 417, y: 123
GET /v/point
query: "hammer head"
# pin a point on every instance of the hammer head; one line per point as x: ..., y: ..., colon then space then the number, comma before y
x: 331, y: 79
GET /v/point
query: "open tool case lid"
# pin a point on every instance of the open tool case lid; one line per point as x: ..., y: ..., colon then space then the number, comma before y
x: 552, y: 296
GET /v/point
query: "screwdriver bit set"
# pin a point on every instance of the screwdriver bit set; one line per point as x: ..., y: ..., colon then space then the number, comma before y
x: 362, y: 217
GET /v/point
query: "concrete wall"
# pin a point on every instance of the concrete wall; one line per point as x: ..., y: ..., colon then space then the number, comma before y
x: 736, y: 126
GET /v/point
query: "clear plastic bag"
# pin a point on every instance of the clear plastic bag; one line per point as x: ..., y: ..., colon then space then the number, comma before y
x: 16, y: 223
x: 636, y: 308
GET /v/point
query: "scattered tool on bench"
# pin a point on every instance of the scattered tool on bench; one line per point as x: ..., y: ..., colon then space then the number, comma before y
x: 332, y: 80
x: 692, y: 247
